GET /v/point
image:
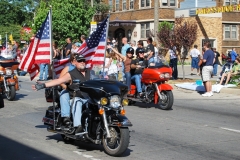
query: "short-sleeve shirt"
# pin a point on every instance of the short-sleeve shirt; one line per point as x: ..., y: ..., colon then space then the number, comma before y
x: 236, y: 68
x: 172, y: 52
x: 124, y: 49
x: 233, y: 55
x: 150, y: 47
x: 141, y: 62
x: 209, y: 57
x: 67, y: 47
x: 194, y: 53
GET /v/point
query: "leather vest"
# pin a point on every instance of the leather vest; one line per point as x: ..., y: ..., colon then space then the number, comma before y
x: 76, y: 74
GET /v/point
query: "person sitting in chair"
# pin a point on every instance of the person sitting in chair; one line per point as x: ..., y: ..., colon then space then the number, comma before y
x: 233, y: 72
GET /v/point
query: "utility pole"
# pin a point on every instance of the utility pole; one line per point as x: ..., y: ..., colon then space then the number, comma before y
x: 156, y: 20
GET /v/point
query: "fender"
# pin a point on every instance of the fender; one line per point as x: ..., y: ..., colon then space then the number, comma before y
x: 120, y: 121
x: 10, y: 82
x: 162, y: 87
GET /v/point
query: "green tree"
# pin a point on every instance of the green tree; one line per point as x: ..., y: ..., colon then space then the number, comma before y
x: 70, y: 18
x: 164, y: 35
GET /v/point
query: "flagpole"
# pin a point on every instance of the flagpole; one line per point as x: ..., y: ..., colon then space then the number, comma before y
x: 108, y: 16
x: 51, y: 63
x: 6, y: 43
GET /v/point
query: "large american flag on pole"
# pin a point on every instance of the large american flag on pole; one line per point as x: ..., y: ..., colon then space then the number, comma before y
x: 93, y: 49
x: 38, y: 51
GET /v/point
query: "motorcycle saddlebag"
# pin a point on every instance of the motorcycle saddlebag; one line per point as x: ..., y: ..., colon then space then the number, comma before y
x: 49, y: 94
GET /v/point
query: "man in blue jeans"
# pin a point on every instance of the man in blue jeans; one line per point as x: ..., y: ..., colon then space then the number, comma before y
x: 78, y: 73
x: 137, y: 66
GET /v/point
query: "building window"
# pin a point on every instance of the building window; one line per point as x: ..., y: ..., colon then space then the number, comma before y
x: 231, y: 2
x: 168, y: 3
x: 145, y: 3
x: 131, y: 4
x: 117, y: 5
x: 230, y: 31
x: 110, y: 4
x: 145, y: 30
x: 124, y: 5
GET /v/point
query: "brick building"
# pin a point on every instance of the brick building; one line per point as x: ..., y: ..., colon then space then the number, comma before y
x: 220, y: 28
x: 134, y: 19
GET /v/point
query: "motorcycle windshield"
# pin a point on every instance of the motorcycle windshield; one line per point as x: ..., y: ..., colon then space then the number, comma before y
x: 96, y: 89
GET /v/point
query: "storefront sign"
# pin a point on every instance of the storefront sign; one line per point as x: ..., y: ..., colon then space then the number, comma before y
x: 93, y: 27
x: 230, y: 8
x: 121, y: 24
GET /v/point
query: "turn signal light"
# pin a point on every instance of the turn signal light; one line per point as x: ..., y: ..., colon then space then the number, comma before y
x: 101, y: 111
x: 125, y: 102
x: 123, y: 112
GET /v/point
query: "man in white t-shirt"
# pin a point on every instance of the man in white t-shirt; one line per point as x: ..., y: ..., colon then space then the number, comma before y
x: 195, y: 55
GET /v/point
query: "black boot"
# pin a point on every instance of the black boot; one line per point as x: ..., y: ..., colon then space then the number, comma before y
x: 78, y: 129
x: 66, y: 121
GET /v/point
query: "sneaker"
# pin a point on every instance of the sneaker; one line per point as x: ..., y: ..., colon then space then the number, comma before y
x: 211, y: 93
x: 207, y: 94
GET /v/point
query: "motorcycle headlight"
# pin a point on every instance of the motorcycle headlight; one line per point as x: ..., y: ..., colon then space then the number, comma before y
x: 8, y: 72
x: 167, y: 75
x: 115, y: 102
x: 161, y: 76
x: 103, y: 101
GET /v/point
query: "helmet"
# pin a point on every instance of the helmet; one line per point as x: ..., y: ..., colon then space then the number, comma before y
x: 130, y: 50
x: 80, y: 57
x: 139, y: 50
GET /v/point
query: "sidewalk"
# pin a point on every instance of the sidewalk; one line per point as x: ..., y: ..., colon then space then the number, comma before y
x: 187, y: 69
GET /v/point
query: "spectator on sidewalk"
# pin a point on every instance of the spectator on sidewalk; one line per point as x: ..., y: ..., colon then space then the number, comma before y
x: 216, y: 62
x: 173, y: 60
x: 195, y: 55
x: 233, y: 55
x: 208, y: 59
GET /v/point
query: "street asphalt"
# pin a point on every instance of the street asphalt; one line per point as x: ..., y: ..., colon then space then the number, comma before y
x: 197, y: 128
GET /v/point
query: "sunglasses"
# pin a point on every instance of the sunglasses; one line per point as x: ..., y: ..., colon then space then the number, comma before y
x: 141, y: 53
x: 81, y: 60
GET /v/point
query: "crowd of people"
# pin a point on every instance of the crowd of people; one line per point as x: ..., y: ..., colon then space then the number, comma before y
x: 206, y: 64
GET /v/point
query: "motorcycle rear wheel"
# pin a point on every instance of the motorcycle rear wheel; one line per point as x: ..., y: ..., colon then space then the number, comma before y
x: 118, y: 143
x: 11, y: 93
x: 167, y: 102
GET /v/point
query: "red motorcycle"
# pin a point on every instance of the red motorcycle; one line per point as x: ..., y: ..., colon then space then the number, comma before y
x: 155, y: 89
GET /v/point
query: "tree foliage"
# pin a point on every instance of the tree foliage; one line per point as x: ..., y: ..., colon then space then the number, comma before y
x: 185, y: 33
x: 70, y: 18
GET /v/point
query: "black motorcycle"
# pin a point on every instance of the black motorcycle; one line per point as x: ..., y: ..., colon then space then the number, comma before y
x: 103, y: 116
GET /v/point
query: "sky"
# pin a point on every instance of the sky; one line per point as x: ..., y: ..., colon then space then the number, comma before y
x: 201, y: 4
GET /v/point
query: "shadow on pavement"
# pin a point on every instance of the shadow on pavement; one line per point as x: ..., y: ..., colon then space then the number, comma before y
x: 11, y: 149
x: 148, y: 105
x: 86, y: 146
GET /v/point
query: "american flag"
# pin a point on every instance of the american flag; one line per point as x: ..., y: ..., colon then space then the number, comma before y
x: 58, y: 66
x: 38, y: 51
x: 93, y: 49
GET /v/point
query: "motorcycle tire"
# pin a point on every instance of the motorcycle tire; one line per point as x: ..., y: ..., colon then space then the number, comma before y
x: 67, y: 139
x: 118, y: 143
x: 167, y: 103
x: 11, y: 94
x: 1, y: 101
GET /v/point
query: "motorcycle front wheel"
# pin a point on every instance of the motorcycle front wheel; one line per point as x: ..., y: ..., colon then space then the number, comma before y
x: 166, y: 102
x: 118, y: 143
x: 11, y: 93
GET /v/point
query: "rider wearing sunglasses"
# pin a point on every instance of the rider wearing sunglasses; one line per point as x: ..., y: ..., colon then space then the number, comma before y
x: 78, y: 73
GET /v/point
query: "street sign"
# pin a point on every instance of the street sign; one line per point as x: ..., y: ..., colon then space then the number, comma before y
x: 93, y: 27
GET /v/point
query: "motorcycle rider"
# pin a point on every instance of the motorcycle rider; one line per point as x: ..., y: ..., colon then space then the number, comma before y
x: 137, y: 66
x: 64, y: 95
x: 78, y: 73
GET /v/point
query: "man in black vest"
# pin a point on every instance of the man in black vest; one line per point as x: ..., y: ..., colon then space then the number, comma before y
x: 80, y: 73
